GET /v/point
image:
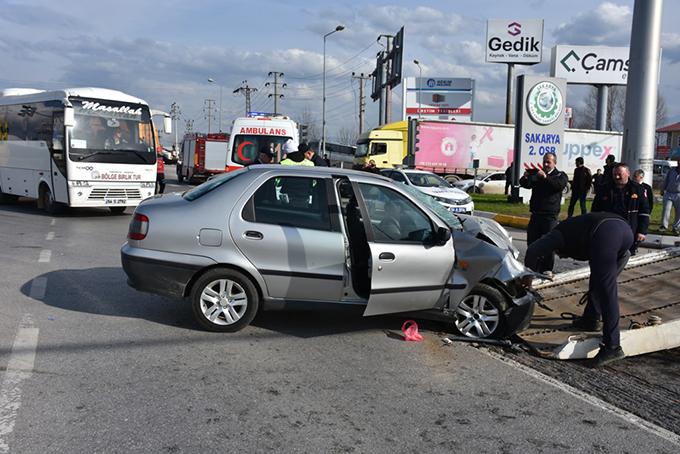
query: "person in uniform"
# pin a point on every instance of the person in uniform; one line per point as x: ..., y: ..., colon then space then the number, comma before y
x: 546, y: 186
x: 603, y: 239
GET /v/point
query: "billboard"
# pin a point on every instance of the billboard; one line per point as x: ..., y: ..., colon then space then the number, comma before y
x: 590, y: 64
x: 437, y: 98
x: 514, y: 41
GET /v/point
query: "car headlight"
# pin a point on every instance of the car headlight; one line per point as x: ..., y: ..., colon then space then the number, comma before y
x: 466, y: 200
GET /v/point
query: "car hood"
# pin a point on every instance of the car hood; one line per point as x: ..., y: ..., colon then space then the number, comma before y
x: 490, y: 230
x: 449, y: 193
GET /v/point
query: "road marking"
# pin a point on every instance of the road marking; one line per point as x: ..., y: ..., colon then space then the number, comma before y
x: 38, y: 287
x: 592, y: 400
x: 45, y: 256
x: 50, y: 236
x: 19, y: 369
x: 53, y: 221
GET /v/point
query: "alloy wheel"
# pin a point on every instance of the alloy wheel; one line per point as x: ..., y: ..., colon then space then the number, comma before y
x: 223, y: 302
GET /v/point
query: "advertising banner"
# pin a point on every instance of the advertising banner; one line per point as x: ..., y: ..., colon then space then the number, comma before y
x: 430, y: 98
x: 514, y: 41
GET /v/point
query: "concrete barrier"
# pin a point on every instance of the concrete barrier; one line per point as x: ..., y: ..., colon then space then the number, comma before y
x: 519, y: 222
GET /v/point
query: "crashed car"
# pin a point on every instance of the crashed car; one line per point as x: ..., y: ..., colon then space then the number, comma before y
x: 270, y: 236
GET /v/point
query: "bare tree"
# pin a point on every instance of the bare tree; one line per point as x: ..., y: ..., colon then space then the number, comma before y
x: 312, y: 122
x: 347, y: 136
x: 585, y: 117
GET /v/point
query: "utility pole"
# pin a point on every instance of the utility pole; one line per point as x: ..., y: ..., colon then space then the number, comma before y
x: 189, y: 127
x: 175, y: 112
x: 362, y: 101
x: 208, y: 107
x: 276, y: 85
x: 246, y: 91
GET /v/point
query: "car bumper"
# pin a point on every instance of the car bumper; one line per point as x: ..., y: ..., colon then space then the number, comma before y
x: 468, y: 208
x: 520, y: 311
x: 154, y: 272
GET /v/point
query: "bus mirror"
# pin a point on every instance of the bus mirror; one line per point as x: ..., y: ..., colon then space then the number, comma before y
x: 69, y: 117
x: 167, y: 124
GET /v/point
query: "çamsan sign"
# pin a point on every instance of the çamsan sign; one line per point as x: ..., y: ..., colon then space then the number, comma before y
x: 590, y: 64
x: 514, y: 41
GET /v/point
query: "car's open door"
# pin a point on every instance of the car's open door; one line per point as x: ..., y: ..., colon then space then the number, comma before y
x: 409, y: 266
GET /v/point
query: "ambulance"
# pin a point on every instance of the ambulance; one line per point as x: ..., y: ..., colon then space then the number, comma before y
x: 250, y: 135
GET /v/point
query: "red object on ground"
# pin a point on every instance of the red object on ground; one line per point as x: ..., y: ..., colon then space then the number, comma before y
x: 410, y: 330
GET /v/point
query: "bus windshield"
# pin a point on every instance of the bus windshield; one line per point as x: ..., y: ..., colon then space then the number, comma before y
x: 112, y: 132
x: 247, y: 147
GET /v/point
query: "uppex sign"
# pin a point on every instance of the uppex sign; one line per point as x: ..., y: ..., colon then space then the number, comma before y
x: 514, y: 41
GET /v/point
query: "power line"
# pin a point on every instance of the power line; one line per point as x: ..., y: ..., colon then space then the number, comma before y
x: 320, y: 75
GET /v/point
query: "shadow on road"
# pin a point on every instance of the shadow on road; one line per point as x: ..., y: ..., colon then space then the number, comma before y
x: 104, y: 291
x: 29, y: 206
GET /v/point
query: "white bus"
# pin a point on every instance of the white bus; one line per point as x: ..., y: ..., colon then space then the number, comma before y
x: 78, y: 147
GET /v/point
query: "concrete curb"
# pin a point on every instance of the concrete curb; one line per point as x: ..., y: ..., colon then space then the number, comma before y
x: 518, y: 222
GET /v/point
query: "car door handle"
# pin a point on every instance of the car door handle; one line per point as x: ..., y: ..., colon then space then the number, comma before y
x: 386, y: 256
x: 253, y: 235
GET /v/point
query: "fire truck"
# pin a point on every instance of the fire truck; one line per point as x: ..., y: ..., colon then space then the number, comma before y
x: 202, y: 156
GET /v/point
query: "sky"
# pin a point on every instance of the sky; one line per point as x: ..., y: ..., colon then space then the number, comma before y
x: 165, y: 51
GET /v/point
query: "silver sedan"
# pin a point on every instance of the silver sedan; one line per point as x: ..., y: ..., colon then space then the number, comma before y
x: 273, y: 236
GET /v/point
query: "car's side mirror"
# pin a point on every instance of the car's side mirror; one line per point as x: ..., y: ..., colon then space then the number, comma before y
x: 443, y: 235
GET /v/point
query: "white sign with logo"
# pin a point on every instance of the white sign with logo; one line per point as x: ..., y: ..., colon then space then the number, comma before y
x: 590, y: 64
x: 437, y: 98
x: 514, y: 41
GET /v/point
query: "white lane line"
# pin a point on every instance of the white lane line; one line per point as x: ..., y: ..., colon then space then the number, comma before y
x: 592, y: 400
x: 53, y: 221
x: 19, y: 369
x: 45, y: 256
x: 50, y: 236
x: 38, y: 287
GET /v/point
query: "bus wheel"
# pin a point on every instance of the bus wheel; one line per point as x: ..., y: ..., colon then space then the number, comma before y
x: 47, y: 201
x: 117, y: 210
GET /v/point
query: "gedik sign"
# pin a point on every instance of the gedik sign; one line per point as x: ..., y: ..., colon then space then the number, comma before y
x: 590, y: 64
x: 514, y: 41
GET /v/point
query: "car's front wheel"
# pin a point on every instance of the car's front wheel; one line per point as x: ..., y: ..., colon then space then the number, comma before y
x: 481, y: 314
x: 224, y: 300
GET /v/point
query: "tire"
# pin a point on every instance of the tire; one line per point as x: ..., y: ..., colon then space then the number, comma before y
x: 47, y: 201
x: 226, y: 296
x: 117, y: 210
x: 452, y: 178
x: 481, y: 314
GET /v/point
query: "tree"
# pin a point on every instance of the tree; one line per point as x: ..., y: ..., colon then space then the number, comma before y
x: 347, y: 136
x: 585, y: 117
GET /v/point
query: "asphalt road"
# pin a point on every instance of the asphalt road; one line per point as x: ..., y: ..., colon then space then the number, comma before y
x: 88, y: 365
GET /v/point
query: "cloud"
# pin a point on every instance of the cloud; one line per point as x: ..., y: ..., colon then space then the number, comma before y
x: 607, y: 24
x: 670, y: 43
x: 19, y: 13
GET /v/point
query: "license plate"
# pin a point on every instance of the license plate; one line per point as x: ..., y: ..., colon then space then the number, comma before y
x: 115, y: 201
x: 457, y: 209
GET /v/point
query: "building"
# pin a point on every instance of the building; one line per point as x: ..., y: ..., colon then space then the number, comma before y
x: 667, y: 138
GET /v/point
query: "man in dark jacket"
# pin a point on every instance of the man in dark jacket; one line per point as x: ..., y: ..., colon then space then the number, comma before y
x: 604, y: 239
x: 580, y: 185
x: 312, y: 155
x: 608, y: 174
x: 546, y: 186
x: 627, y: 199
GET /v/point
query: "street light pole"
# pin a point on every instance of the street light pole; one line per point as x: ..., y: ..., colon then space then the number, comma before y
x: 420, y: 81
x: 212, y: 81
x: 323, y: 108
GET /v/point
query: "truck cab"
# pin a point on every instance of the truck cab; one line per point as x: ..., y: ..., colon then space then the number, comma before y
x: 386, y: 145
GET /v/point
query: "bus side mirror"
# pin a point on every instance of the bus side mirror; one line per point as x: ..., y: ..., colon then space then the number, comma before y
x: 167, y: 124
x: 69, y: 117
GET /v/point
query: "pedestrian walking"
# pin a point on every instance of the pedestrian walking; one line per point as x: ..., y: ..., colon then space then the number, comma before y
x: 546, y: 186
x: 604, y: 239
x: 580, y: 185
x: 626, y: 198
x: 508, y: 179
x: 671, y: 196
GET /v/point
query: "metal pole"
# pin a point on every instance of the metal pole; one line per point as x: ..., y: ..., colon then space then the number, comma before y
x: 641, y: 93
x: 220, y: 116
x: 601, y: 118
x: 361, y: 103
x: 323, y: 108
x: 508, y: 94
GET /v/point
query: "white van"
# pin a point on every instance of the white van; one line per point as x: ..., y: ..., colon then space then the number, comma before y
x: 661, y: 168
x: 250, y: 135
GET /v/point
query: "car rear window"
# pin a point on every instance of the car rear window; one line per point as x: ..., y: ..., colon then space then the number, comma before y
x: 211, y: 184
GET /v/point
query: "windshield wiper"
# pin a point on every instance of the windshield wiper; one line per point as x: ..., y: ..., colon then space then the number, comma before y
x: 94, y: 153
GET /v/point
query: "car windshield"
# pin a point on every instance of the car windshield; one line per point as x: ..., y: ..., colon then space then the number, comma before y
x: 445, y: 215
x: 247, y: 147
x: 212, y: 184
x: 109, y: 131
x: 362, y: 150
x: 426, y: 180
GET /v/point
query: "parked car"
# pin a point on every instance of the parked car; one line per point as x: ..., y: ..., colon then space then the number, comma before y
x: 272, y: 236
x: 435, y: 186
x: 492, y: 183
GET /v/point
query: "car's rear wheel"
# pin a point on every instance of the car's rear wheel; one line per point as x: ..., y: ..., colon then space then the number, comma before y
x: 481, y: 314
x: 224, y: 300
